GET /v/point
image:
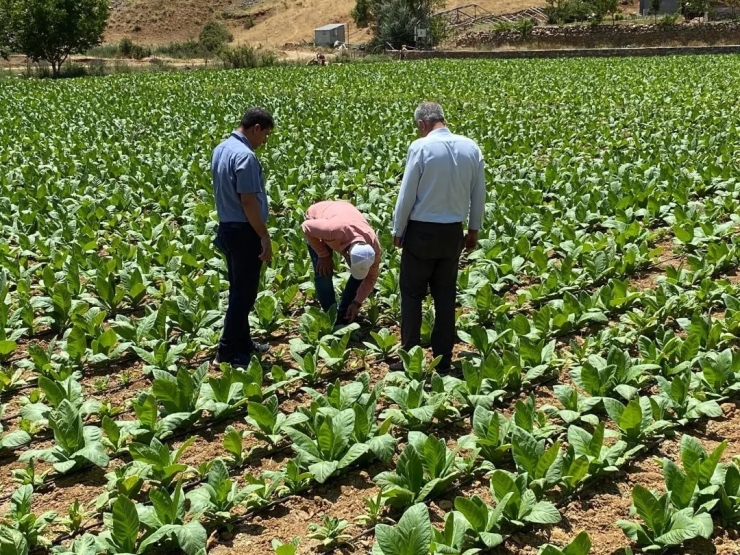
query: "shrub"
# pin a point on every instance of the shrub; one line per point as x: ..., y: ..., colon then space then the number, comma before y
x: 669, y: 19
x: 214, y: 36
x: 125, y: 47
x: 120, y: 66
x: 72, y: 70
x: 246, y: 57
x: 97, y: 68
x: 568, y: 11
x: 140, y: 52
x: 525, y: 26
x: 362, y: 13
x: 184, y: 50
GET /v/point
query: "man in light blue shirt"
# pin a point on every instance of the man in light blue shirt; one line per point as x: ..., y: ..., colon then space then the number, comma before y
x: 443, y: 186
x: 242, y: 207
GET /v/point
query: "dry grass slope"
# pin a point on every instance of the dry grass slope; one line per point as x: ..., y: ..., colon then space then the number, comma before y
x: 272, y: 23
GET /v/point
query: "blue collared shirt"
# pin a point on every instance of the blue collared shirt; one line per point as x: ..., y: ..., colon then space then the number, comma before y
x: 237, y: 170
x: 444, y: 182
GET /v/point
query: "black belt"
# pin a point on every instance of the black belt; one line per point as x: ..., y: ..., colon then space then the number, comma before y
x: 434, y: 223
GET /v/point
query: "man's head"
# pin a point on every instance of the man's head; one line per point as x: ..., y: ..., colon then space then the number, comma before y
x: 361, y: 259
x: 429, y: 116
x: 256, y: 125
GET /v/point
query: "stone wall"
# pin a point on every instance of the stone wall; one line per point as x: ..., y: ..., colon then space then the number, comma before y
x: 605, y: 36
x: 573, y: 52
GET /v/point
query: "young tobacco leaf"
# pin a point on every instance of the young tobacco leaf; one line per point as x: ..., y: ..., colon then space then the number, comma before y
x: 75, y: 444
x: 491, y: 435
x: 269, y: 422
x: 664, y: 525
x: 521, y: 502
x: 411, y: 536
x: 581, y: 545
x: 426, y: 466
x: 329, y: 448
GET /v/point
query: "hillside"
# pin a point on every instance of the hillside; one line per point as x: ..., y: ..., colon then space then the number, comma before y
x: 272, y: 23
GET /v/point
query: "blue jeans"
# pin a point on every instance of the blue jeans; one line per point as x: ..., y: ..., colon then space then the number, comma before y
x: 325, y: 290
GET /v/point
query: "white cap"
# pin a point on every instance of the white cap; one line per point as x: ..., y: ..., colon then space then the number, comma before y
x: 361, y: 258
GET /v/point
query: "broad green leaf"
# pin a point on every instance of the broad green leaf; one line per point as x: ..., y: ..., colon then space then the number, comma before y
x: 125, y: 528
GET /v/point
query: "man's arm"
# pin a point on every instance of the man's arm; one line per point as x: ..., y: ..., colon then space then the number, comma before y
x: 248, y: 186
x: 368, y: 284
x: 317, y: 232
x: 251, y: 207
x: 407, y: 194
x: 366, y: 287
x: 477, y: 205
x: 478, y: 198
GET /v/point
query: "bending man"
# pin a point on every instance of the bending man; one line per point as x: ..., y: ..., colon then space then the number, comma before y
x: 443, y: 184
x: 339, y: 226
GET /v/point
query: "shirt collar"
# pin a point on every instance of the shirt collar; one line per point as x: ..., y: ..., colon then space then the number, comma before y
x: 238, y: 135
x: 440, y: 131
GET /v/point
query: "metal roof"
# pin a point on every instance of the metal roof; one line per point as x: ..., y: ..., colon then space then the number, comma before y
x: 329, y: 27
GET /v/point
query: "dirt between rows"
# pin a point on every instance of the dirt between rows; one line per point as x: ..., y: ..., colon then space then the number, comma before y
x: 595, y: 510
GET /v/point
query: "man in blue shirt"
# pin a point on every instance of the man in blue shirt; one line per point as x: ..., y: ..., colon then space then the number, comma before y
x: 443, y: 185
x: 242, y: 206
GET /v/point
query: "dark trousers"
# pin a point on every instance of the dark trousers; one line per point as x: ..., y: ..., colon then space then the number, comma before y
x: 431, y: 254
x: 325, y: 290
x: 241, y: 247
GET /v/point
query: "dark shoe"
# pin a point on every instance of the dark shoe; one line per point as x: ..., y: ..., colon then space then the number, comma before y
x: 242, y: 361
x: 260, y: 348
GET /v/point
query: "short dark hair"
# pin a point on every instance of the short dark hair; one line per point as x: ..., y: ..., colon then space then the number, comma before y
x: 257, y: 116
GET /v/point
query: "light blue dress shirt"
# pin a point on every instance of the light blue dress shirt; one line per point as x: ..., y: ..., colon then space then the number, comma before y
x: 237, y: 170
x: 444, y: 182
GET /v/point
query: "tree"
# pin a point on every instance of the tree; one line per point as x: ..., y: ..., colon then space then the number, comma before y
x: 735, y: 5
x: 606, y: 7
x: 362, y: 13
x: 214, y: 36
x: 51, y: 30
x: 6, y: 36
x: 655, y: 8
x: 394, y: 21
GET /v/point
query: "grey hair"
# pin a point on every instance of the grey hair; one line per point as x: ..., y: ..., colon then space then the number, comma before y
x: 429, y: 112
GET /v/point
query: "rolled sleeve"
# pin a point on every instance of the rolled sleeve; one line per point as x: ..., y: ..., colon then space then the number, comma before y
x: 478, y: 197
x: 248, y: 174
x: 407, y: 194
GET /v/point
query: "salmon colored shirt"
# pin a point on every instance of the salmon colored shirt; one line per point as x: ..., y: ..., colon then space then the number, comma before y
x: 337, y: 225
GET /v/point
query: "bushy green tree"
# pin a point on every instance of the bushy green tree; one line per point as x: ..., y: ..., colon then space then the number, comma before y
x: 362, y: 13
x: 214, y: 36
x: 6, y: 36
x: 52, y: 30
x: 394, y: 21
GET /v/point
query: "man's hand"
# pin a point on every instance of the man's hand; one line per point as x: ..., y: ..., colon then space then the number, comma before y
x: 266, y: 254
x: 398, y: 242
x: 352, y: 312
x: 325, y: 266
x: 471, y: 239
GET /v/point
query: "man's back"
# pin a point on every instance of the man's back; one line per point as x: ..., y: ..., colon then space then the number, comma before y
x: 340, y: 210
x: 236, y: 170
x: 450, y: 172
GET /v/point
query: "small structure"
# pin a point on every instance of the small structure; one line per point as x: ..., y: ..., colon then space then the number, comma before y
x: 329, y: 34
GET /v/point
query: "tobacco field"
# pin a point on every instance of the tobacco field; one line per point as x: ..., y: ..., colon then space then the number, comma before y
x: 594, y: 404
